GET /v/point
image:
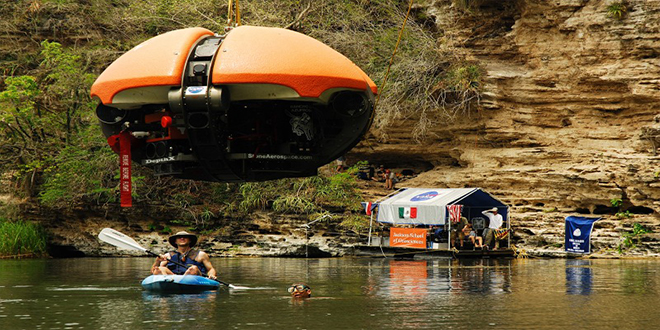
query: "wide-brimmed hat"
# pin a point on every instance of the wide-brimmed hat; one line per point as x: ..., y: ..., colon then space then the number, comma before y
x: 193, y: 238
x: 493, y: 209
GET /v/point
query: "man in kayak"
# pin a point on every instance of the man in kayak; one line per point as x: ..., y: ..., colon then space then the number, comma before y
x: 198, y: 261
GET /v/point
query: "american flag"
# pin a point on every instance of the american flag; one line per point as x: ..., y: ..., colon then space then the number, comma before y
x: 369, y: 207
x: 454, y: 212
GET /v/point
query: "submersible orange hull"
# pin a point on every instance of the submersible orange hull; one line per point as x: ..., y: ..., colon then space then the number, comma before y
x: 253, y: 104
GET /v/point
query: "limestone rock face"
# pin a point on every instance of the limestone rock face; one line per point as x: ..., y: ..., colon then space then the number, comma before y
x: 568, y: 119
x: 265, y: 234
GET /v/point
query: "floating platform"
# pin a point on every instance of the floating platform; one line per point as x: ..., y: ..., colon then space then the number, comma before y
x: 410, y: 253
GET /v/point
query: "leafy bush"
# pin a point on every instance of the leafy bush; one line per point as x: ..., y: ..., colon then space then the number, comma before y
x: 42, y: 117
x: 23, y: 126
x: 622, y: 215
x: 74, y: 175
x: 294, y: 204
x: 618, y: 203
x: 631, y: 239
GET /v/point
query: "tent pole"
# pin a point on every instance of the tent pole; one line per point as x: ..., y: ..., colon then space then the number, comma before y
x: 449, y: 234
x: 371, y: 221
x: 508, y: 227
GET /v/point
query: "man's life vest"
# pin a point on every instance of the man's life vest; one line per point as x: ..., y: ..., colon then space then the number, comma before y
x: 189, y: 259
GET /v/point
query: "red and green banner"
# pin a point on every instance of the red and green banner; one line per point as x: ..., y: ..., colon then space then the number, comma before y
x: 407, y: 213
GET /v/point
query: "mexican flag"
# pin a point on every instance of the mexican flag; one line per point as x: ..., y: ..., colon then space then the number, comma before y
x: 407, y: 212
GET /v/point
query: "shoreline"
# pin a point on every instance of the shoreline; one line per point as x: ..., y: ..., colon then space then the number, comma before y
x: 267, y: 253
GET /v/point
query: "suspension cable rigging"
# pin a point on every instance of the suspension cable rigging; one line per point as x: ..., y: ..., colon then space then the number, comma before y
x: 233, y: 14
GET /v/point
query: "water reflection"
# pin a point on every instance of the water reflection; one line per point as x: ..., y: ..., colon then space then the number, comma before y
x: 177, y: 308
x: 578, y: 276
x: 408, y: 279
x: 482, y: 276
x: 115, y: 312
x: 417, y: 279
x: 358, y: 293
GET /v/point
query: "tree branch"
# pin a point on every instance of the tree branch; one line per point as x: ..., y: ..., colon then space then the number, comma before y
x: 299, y: 17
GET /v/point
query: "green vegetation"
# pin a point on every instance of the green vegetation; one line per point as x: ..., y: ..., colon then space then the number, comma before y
x: 166, y: 230
x: 618, y: 203
x: 301, y: 196
x: 202, y: 205
x: 622, y: 215
x: 51, y: 148
x: 463, y: 88
x: 46, y: 127
x: 357, y: 223
x: 617, y: 10
x: 631, y: 239
x: 21, y: 239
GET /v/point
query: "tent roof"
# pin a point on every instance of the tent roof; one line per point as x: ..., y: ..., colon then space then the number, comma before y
x: 444, y: 196
x: 431, y: 204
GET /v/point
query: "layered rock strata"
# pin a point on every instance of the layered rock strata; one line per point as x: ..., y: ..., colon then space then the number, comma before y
x: 568, y: 121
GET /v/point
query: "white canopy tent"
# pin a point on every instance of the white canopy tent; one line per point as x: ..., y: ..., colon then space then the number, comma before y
x: 428, y: 206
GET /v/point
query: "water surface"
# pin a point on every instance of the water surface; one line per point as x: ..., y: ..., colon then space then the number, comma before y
x: 348, y: 293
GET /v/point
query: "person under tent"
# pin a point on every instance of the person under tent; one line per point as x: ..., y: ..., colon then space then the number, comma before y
x: 494, y: 224
x: 457, y: 235
x: 477, y: 241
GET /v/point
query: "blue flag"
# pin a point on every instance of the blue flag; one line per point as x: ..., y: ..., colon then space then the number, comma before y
x: 578, y: 232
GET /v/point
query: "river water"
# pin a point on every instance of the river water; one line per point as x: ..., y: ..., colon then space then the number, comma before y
x: 348, y: 293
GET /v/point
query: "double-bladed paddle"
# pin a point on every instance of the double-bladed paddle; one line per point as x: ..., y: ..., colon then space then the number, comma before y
x: 123, y: 241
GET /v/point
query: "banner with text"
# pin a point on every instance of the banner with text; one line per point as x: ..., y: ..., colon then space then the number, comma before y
x: 578, y: 232
x: 408, y: 237
x: 126, y: 189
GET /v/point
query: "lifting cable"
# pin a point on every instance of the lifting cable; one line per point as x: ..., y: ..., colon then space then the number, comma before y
x: 230, y: 13
x: 382, y: 86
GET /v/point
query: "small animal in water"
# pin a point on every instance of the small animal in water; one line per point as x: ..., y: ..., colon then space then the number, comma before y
x: 300, y: 290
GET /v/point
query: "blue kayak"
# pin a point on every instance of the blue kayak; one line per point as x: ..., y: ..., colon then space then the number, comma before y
x: 179, y: 283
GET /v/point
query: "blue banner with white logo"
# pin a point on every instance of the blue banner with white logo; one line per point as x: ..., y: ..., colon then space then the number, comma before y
x: 578, y: 232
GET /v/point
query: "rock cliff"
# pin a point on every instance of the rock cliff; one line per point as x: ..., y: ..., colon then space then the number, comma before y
x: 568, y: 120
